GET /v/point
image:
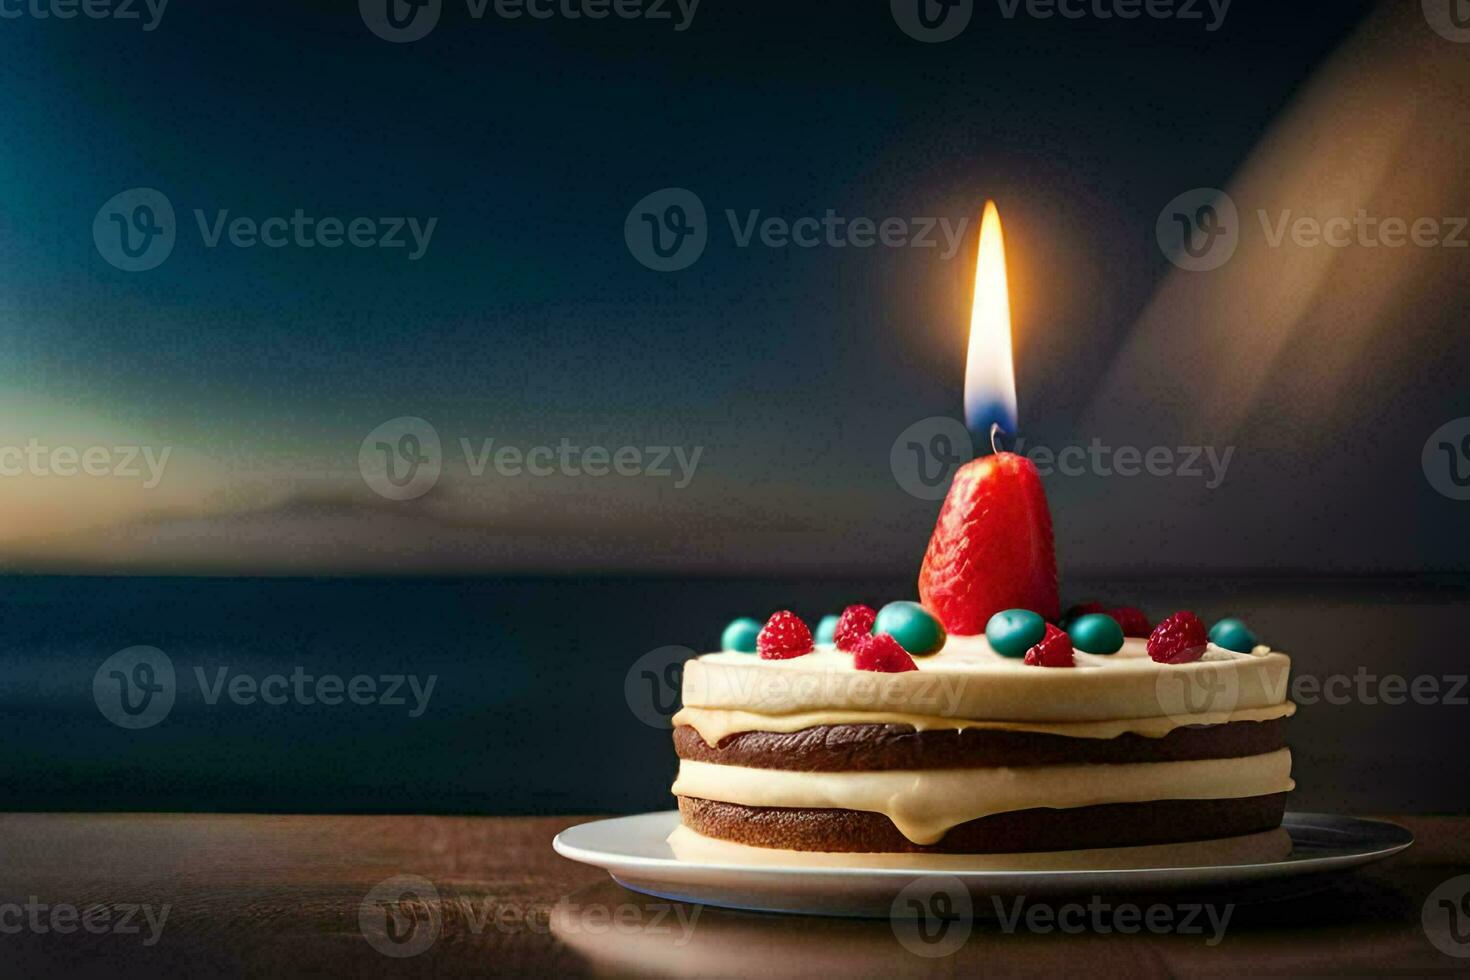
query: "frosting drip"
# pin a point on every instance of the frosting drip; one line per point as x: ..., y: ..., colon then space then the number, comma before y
x: 924, y: 804
x: 968, y: 681
x: 714, y: 724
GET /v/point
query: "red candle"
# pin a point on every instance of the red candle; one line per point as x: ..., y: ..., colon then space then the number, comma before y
x: 992, y: 547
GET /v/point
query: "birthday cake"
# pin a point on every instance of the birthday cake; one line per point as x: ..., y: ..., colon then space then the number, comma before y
x: 982, y: 719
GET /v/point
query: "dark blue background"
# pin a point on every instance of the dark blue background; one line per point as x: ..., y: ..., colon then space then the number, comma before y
x: 528, y: 320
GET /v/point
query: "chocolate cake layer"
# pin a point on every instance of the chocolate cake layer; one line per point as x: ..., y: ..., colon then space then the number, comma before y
x: 859, y: 748
x: 1041, y: 829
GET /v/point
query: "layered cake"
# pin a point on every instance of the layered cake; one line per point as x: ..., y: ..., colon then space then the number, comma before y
x: 980, y: 719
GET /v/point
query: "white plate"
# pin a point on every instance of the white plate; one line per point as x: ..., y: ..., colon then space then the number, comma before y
x: 637, y: 852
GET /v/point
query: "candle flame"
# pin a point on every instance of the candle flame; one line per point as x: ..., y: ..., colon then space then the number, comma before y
x: 990, y: 372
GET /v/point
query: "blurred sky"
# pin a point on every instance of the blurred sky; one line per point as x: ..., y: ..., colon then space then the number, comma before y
x: 527, y: 319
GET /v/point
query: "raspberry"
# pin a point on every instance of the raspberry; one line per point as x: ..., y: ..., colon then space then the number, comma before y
x: 784, y: 636
x: 883, y: 654
x: 1180, y: 639
x: 1054, y: 650
x: 855, y: 624
x: 1132, y: 619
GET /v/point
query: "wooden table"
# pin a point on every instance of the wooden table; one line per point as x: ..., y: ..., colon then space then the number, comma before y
x: 283, y: 895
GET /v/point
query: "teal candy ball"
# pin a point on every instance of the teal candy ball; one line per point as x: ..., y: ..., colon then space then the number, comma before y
x: 1096, y: 633
x: 827, y: 629
x: 1012, y: 632
x: 915, y: 629
x: 740, y: 635
x: 1232, y: 634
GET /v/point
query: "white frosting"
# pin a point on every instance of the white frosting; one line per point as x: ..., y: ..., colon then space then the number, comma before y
x: 925, y: 804
x: 714, y: 724
x: 967, y: 680
x: 1269, y: 845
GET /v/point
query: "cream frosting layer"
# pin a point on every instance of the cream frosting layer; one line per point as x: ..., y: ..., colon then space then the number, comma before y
x: 1266, y: 846
x: 967, y: 680
x: 714, y: 724
x: 924, y: 804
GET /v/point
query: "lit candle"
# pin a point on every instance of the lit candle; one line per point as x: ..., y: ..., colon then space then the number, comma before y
x: 990, y: 373
x: 992, y: 546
